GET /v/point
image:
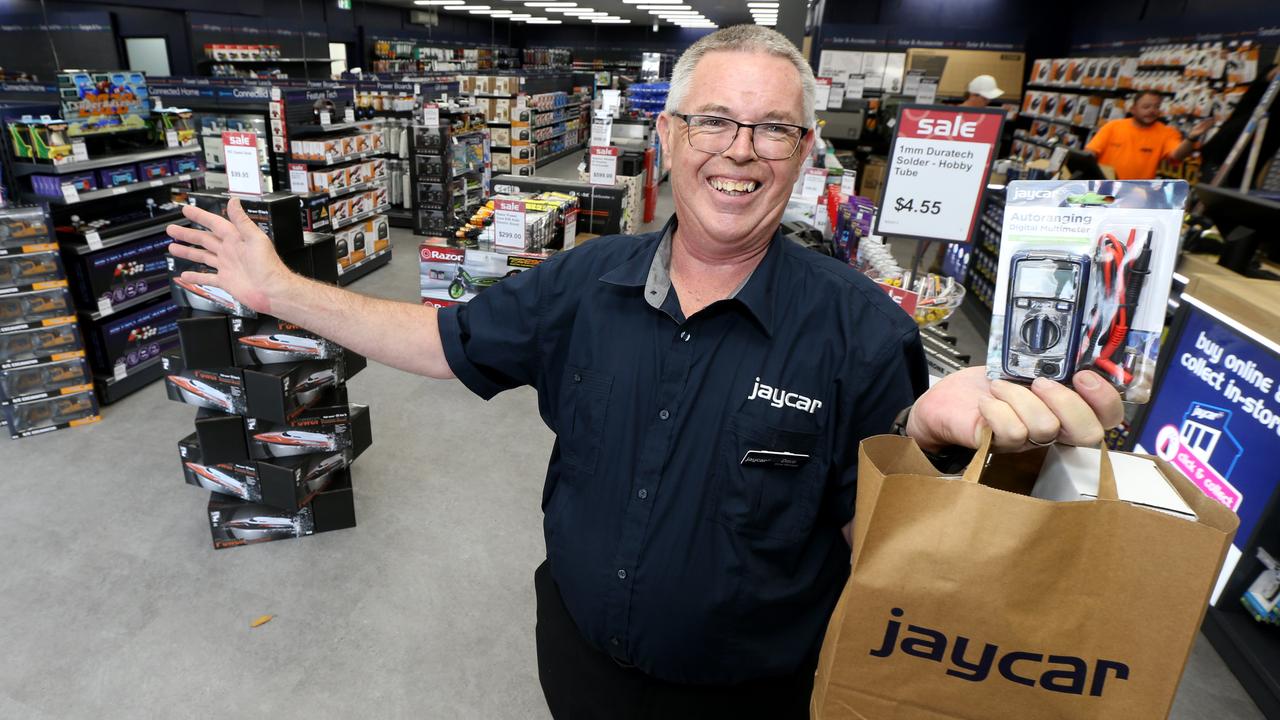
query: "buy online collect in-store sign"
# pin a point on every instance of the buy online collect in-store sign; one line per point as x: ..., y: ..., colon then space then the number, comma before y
x: 938, y: 168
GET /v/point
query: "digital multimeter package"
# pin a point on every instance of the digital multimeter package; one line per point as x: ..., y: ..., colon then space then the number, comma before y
x: 1083, y: 280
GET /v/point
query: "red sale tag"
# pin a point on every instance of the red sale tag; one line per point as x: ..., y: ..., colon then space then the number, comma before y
x: 904, y: 298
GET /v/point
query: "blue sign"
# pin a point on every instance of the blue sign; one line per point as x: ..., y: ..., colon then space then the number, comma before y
x: 1215, y: 415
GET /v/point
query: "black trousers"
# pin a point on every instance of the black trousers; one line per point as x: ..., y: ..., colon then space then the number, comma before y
x: 582, y: 683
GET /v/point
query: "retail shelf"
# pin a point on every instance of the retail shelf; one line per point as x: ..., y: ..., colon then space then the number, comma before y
x: 116, y: 386
x: 80, y: 246
x: 338, y: 161
x: 488, y: 95
x: 561, y: 121
x: 208, y: 61
x: 106, y: 311
x: 553, y: 109
x: 65, y: 168
x: 361, y: 216
x: 352, y: 273
x: 117, y: 190
x: 990, y: 223
x: 1096, y: 91
x: 499, y: 124
x: 311, y: 238
x: 304, y: 130
x: 1058, y: 121
x: 339, y: 192
x: 551, y: 137
x: 552, y: 158
x: 400, y: 217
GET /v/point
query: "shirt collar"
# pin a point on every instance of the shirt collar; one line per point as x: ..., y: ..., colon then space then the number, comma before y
x: 653, y: 273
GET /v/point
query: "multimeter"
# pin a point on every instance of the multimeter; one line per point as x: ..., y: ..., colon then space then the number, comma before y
x: 1044, y: 314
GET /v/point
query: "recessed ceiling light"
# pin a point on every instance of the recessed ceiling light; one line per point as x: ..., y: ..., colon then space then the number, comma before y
x: 663, y: 7
x: 543, y: 21
x: 610, y: 21
x: 519, y: 16
x: 466, y: 7
x: 439, y: 2
x: 543, y: 4
x: 578, y: 11
x: 652, y: 2
x: 762, y: 4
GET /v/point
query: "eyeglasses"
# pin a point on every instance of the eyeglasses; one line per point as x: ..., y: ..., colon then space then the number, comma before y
x: 770, y: 140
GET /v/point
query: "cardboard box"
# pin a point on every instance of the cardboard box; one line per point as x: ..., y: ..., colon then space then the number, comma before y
x: 213, y: 340
x: 29, y: 270
x: 34, y: 308
x: 277, y: 392
x: 872, y: 178
x: 287, y: 483
x: 321, y: 429
x: 119, y: 273
x: 276, y: 214
x: 456, y: 275
x: 234, y: 522
x: 221, y: 390
x: 120, y: 343
x: 198, y: 296
x: 1070, y: 474
x: 44, y: 380
x: 37, y: 417
x: 40, y: 344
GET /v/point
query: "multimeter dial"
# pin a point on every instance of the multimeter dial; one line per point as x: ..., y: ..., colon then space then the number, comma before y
x: 1040, y: 332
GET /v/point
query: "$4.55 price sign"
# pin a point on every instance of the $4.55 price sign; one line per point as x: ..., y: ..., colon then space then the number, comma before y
x: 938, y: 168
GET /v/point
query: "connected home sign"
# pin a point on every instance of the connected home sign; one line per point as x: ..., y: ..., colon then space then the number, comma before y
x: 938, y: 168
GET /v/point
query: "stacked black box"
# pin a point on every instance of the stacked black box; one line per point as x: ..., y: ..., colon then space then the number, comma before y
x: 275, y: 434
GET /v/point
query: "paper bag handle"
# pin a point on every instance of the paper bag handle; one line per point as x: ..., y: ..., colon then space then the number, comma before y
x: 1106, y: 475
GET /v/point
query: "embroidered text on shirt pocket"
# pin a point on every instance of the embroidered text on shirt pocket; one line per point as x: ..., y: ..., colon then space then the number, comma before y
x: 776, y: 502
x: 586, y: 394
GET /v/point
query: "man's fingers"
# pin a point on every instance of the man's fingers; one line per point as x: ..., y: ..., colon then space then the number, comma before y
x: 1041, y: 423
x: 194, y: 254
x: 246, y: 227
x: 1101, y: 396
x: 217, y: 224
x: 1008, y: 432
x: 192, y: 236
x: 1080, y: 422
x: 200, y: 278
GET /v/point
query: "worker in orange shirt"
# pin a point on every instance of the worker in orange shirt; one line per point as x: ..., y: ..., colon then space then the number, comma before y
x: 1134, y: 146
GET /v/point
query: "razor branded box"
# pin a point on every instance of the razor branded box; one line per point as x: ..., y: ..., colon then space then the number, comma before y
x: 44, y: 380
x: 119, y: 273
x: 117, y: 344
x: 212, y: 340
x: 287, y: 483
x: 199, y: 296
x: 234, y: 522
x: 37, y: 417
x: 276, y: 214
x: 221, y: 390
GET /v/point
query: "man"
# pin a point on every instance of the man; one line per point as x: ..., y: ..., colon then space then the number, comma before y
x: 982, y: 90
x: 1134, y: 146
x: 708, y: 386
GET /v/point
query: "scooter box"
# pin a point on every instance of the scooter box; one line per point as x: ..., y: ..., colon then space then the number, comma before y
x: 126, y: 341
x: 199, y: 296
x: 28, y: 347
x: 234, y: 522
x: 119, y: 273
x: 288, y: 483
x: 36, y: 382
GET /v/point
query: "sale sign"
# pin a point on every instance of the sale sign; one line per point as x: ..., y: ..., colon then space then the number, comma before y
x: 604, y: 165
x: 904, y: 298
x: 240, y: 151
x: 938, y: 167
x: 508, y: 224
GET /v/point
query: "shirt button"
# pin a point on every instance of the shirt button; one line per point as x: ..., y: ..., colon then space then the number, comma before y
x: 642, y: 494
x: 622, y: 574
x: 663, y: 414
x: 614, y: 641
x: 685, y: 336
x: 577, y: 377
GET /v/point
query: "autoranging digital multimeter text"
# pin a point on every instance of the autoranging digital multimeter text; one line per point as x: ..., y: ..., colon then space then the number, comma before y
x: 1044, y: 313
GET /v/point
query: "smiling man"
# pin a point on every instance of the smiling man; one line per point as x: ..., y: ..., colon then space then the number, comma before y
x: 708, y: 386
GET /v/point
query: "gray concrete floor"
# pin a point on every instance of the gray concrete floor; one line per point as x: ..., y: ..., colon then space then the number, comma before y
x: 114, y: 605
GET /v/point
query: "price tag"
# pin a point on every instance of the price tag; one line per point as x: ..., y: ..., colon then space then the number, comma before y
x: 93, y: 239
x: 299, y: 178
x: 70, y: 194
x: 812, y: 183
x: 325, y: 119
x: 275, y: 93
x: 79, y: 152
x: 822, y: 92
x: 601, y: 131
x: 611, y: 100
x: 604, y: 165
x: 847, y: 182
x: 431, y: 115
x: 854, y: 86
x: 937, y: 171
x: 104, y: 306
x: 240, y: 153
x: 508, y: 224
x: 119, y: 372
x: 911, y: 83
x: 121, y: 189
x: 570, y: 228
x: 157, y: 183
x: 835, y: 99
x: 171, y: 138
x: 349, y: 114
x: 928, y: 92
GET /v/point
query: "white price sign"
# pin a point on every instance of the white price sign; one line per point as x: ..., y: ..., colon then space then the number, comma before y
x: 927, y: 91
x: 822, y: 92
x: 604, y: 165
x: 611, y: 100
x: 171, y: 138
x: 570, y: 228
x: 240, y: 152
x: 70, y: 194
x: 847, y: 182
x: 93, y: 239
x: 835, y: 98
x: 79, y: 152
x: 349, y: 114
x: 299, y: 178
x: 508, y: 224
x: 431, y: 115
x: 938, y: 168
x: 601, y: 131
x: 854, y: 86
x: 325, y: 118
x: 812, y: 182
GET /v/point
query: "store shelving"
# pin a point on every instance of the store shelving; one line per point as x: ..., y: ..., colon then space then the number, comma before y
x: 357, y: 270
x: 20, y: 169
x: 118, y: 190
x: 552, y: 158
x: 81, y: 245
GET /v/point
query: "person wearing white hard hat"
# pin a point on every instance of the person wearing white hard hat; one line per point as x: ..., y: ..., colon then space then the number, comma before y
x: 982, y: 90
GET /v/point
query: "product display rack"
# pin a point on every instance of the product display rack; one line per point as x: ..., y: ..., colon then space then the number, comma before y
x: 450, y: 170
x: 113, y: 202
x: 45, y: 380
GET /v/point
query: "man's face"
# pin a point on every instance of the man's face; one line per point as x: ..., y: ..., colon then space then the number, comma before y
x: 1146, y: 109
x: 731, y: 195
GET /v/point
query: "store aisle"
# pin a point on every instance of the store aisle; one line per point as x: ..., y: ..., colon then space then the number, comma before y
x: 114, y: 605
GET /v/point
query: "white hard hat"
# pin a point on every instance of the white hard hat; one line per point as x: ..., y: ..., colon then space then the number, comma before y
x: 985, y: 85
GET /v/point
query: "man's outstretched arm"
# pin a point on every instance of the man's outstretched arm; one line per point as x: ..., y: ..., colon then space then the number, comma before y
x: 403, y: 335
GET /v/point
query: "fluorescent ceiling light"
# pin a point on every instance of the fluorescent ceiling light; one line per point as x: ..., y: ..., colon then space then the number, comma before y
x: 542, y: 21
x: 519, y: 16
x: 762, y: 4
x: 576, y: 11
x: 542, y: 4
x: 466, y: 7
x: 490, y: 12
x: 663, y: 7
x: 586, y: 15
x: 610, y: 21
x: 676, y: 13
x: 652, y: 2
x: 438, y: 2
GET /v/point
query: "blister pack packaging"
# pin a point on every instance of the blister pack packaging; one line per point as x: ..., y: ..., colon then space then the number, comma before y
x: 1083, y: 280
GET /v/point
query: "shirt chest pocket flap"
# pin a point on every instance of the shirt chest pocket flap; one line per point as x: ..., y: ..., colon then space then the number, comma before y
x: 769, y: 478
x: 585, y: 405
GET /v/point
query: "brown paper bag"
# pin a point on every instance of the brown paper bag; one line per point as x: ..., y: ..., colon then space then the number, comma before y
x: 968, y: 601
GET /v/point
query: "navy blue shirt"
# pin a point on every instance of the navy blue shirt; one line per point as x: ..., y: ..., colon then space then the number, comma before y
x: 681, y: 539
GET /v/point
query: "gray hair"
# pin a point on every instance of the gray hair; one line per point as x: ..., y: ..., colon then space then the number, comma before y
x: 741, y: 38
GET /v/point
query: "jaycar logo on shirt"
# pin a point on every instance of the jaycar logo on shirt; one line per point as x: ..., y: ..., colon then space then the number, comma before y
x: 778, y: 397
x: 1056, y: 673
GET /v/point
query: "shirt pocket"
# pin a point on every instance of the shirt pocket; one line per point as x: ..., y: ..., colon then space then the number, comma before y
x: 767, y: 499
x: 586, y: 403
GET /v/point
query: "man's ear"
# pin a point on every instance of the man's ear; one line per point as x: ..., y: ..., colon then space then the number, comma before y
x: 664, y: 136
